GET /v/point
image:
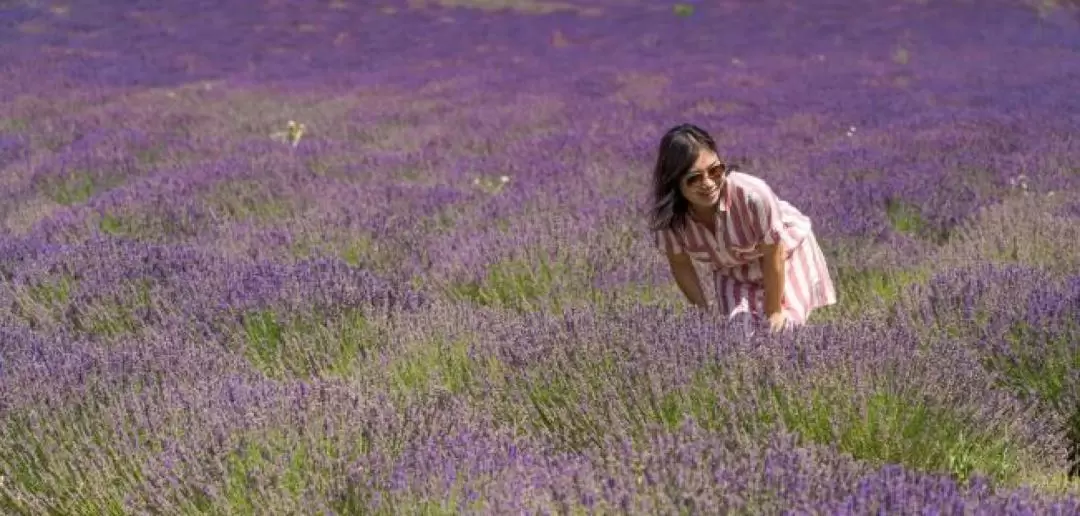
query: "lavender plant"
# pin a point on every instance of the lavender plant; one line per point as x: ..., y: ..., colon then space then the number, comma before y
x: 289, y: 260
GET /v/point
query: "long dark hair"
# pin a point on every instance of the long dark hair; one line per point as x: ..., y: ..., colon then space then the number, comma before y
x: 679, y: 149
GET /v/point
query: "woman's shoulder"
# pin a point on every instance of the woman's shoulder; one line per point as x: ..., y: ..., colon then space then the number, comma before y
x: 740, y: 178
x: 748, y: 185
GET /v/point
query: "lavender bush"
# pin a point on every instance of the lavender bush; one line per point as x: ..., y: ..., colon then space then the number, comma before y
x: 340, y: 258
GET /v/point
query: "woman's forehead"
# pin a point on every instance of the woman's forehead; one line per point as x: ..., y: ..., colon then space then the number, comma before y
x: 704, y: 160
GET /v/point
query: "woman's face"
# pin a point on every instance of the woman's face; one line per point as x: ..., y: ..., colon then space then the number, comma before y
x: 704, y: 184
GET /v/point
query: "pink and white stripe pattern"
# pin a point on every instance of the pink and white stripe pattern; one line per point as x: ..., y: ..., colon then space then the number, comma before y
x: 751, y: 214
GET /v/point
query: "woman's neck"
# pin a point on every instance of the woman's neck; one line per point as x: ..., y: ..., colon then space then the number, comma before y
x: 703, y: 215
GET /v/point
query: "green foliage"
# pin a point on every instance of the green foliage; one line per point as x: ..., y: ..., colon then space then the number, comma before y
x: 45, y: 457
x: 1018, y: 231
x: 869, y: 292
x: 904, y: 217
x: 908, y: 219
x: 47, y: 303
x: 580, y: 406
x: 549, y: 283
x: 149, y: 226
x: 886, y: 427
x: 14, y: 125
x: 1038, y: 365
x: 121, y: 316
x: 77, y: 187
x: 518, y: 285
x: 356, y: 500
x: 440, y: 365
x: 356, y: 248
x: 114, y: 225
x: 279, y: 467
x: 42, y: 303
x: 249, y: 200
x: 307, y: 345
x: 883, y: 425
x: 150, y: 156
x: 573, y: 406
x: 249, y: 460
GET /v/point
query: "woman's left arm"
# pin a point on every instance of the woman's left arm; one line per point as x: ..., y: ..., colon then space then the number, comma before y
x: 762, y: 209
x: 772, y: 270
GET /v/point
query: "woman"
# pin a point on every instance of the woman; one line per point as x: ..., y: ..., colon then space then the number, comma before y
x: 766, y: 263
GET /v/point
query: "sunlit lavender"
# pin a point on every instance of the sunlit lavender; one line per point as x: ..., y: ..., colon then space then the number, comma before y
x: 391, y: 257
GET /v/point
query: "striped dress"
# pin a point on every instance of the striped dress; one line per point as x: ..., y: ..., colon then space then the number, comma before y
x: 749, y: 214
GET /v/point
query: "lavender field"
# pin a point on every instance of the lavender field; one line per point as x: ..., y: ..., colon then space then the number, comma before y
x: 441, y: 297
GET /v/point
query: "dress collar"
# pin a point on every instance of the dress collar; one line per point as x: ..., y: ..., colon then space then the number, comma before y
x: 725, y: 201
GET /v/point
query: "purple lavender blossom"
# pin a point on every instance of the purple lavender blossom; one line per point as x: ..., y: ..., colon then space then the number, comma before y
x: 441, y: 296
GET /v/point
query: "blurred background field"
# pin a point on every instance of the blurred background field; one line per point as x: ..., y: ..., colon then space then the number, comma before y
x: 441, y: 296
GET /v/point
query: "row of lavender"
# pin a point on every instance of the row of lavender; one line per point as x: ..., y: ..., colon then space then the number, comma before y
x: 885, y: 120
x: 198, y: 317
x: 429, y: 403
x: 435, y: 211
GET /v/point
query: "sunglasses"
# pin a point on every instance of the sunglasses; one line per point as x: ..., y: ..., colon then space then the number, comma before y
x: 715, y: 172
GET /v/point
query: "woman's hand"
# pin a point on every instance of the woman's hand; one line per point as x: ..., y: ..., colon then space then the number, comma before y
x: 686, y: 278
x: 777, y: 321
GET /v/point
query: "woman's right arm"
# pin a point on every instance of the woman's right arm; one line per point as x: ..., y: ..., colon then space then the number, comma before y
x: 682, y: 267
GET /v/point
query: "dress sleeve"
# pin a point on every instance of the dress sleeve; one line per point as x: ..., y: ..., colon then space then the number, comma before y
x: 667, y: 241
x: 765, y: 222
